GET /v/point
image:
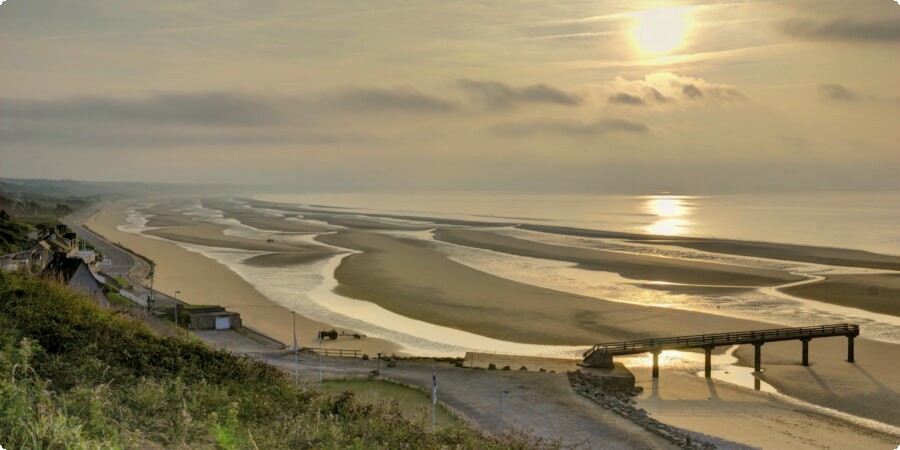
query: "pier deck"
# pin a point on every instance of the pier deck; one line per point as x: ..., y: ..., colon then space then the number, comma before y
x: 601, y: 354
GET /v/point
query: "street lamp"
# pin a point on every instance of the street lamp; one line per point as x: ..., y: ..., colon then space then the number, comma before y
x: 502, y: 391
x: 150, y: 298
x: 176, y: 308
x: 296, y: 350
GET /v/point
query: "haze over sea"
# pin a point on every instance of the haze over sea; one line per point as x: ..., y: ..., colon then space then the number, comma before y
x: 856, y: 220
x: 850, y: 220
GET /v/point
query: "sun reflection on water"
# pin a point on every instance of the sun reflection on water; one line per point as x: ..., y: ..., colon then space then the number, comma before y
x: 671, y: 212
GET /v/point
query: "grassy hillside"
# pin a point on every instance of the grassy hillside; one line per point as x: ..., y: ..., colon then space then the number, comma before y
x: 75, y: 376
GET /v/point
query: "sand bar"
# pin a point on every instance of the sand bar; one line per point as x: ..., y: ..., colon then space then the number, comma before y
x: 412, y: 280
x: 202, y: 280
x: 744, y: 416
x: 786, y: 252
x: 633, y: 266
x: 417, y: 280
x: 212, y: 235
x: 879, y: 293
x: 869, y: 388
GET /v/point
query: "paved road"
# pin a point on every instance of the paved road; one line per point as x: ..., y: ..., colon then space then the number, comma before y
x: 121, y: 261
x: 543, y: 403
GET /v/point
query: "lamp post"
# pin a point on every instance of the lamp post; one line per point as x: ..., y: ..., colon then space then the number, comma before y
x: 150, y: 298
x: 296, y: 350
x: 500, y: 418
x: 176, y: 308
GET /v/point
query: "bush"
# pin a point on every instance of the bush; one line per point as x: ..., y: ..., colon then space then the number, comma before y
x: 75, y: 376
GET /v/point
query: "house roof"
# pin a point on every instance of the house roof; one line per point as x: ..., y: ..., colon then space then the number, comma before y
x: 63, y: 266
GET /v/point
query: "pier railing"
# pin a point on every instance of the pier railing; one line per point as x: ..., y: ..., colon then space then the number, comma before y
x: 718, y: 339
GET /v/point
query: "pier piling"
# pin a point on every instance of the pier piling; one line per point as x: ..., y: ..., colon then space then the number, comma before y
x: 757, y: 356
x: 805, y: 342
x: 600, y: 355
x: 850, y: 348
x: 708, y: 368
x: 656, y: 364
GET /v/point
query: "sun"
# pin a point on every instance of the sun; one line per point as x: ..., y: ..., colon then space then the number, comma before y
x: 660, y: 30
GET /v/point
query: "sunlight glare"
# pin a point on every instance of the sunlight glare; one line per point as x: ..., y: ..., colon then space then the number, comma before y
x: 667, y: 227
x: 671, y: 211
x: 660, y: 30
x: 667, y: 206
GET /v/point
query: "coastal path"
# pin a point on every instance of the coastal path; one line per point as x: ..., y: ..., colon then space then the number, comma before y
x: 120, y: 262
x: 600, y: 355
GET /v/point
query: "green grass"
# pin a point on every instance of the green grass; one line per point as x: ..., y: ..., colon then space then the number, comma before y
x: 123, y: 282
x: 414, y: 404
x: 118, y: 300
x: 76, y: 376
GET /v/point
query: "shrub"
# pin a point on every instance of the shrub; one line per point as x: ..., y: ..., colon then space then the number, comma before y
x: 75, y: 376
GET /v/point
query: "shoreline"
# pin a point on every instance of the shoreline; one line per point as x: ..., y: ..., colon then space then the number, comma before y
x: 202, y: 280
x: 779, y: 364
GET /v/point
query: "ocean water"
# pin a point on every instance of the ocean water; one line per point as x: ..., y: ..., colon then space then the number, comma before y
x: 311, y: 290
x: 849, y: 220
x: 858, y: 220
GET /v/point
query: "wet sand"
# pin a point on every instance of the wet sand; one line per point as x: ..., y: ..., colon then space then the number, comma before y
x: 360, y: 223
x: 879, y: 293
x: 411, y: 279
x: 636, y: 267
x: 211, y: 235
x: 408, y: 278
x: 204, y: 281
x: 286, y: 259
x: 414, y: 281
x: 785, y: 252
x: 869, y: 388
x: 752, y: 418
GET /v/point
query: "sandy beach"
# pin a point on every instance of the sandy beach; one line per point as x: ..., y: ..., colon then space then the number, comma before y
x: 869, y: 388
x: 411, y: 278
x: 637, y: 267
x: 747, y: 417
x: 879, y: 293
x: 418, y: 282
x: 786, y: 252
x: 202, y: 280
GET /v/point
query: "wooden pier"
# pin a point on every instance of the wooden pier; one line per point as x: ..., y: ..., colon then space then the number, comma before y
x: 601, y: 355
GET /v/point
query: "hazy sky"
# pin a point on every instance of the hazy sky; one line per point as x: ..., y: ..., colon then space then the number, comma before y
x: 602, y: 96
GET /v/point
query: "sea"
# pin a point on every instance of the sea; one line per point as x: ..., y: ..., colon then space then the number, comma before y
x: 858, y: 220
x: 868, y: 221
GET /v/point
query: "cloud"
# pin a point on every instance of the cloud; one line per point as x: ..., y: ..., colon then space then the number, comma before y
x: 397, y: 99
x: 623, y: 98
x: 880, y: 31
x: 221, y: 109
x: 497, y: 95
x: 668, y: 88
x: 841, y: 94
x: 691, y: 91
x: 837, y: 93
x: 572, y: 128
x: 203, y: 109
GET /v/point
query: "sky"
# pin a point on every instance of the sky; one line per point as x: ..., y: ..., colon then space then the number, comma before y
x: 530, y: 96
